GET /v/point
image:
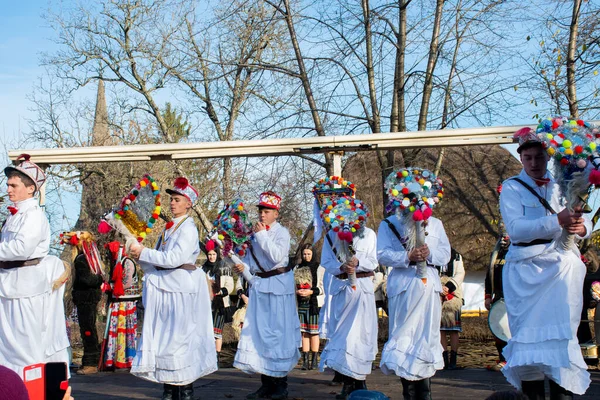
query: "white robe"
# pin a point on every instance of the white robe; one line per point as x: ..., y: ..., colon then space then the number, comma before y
x: 32, y: 318
x: 542, y: 290
x: 324, y: 313
x: 413, y: 350
x: 177, y: 344
x: 352, y: 324
x: 270, y: 336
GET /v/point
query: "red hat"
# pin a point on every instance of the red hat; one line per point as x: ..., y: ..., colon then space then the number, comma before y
x: 269, y: 200
x: 182, y: 186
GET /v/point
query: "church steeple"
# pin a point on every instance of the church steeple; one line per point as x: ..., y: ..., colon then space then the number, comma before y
x: 100, y: 130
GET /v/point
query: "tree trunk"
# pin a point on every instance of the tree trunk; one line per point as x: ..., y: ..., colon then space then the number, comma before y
x: 571, y: 55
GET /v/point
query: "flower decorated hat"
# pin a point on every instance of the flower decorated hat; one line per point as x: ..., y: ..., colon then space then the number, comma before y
x: 270, y: 200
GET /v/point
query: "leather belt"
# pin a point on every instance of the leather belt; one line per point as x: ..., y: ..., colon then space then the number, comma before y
x: 533, y: 242
x: 274, y: 272
x: 187, y: 267
x: 19, y: 264
x: 358, y: 275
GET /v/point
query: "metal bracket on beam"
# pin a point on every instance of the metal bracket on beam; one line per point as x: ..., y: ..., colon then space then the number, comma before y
x: 330, y: 149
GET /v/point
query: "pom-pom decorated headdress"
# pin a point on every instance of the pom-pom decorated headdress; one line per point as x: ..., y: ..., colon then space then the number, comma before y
x: 269, y: 200
x: 232, y: 230
x: 413, y: 191
x: 28, y: 168
x: 345, y: 215
x: 527, y: 137
x: 182, y: 187
x: 332, y: 187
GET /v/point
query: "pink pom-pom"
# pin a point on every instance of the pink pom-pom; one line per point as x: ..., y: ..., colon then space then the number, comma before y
x: 417, y: 215
x: 104, y: 227
x: 210, y: 245
x: 595, y: 177
x: 426, y: 213
x: 581, y: 163
x: 522, y: 132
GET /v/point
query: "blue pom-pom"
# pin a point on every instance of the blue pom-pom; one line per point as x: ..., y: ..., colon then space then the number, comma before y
x: 125, y: 208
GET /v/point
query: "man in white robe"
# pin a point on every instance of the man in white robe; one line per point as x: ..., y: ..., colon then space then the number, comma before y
x: 352, y: 325
x: 270, y: 336
x: 32, y: 318
x: 413, y: 350
x: 177, y: 345
x: 542, y: 284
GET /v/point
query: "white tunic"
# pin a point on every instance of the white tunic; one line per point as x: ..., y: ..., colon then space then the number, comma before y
x: 177, y: 344
x: 352, y: 324
x: 542, y: 290
x: 413, y: 350
x: 270, y: 336
x: 324, y: 313
x: 32, y: 319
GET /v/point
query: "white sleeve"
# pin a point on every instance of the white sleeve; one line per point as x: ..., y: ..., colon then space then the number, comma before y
x: 186, y: 243
x: 26, y: 237
x: 276, y: 249
x: 390, y: 252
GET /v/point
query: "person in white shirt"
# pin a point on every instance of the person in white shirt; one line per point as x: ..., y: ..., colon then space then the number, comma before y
x: 352, y: 325
x: 413, y: 350
x: 542, y: 284
x: 177, y: 344
x: 32, y: 318
x: 270, y: 336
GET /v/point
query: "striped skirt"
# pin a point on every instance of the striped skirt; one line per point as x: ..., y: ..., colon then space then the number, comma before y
x: 218, y: 324
x: 309, y: 323
x: 121, y: 343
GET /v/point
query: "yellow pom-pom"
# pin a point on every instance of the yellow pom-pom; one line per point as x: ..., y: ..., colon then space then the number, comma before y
x: 592, y: 146
x: 148, y: 230
x: 569, y: 152
x: 353, y: 230
x: 143, y: 184
x: 549, y: 136
x: 421, y: 181
x: 405, y: 173
x: 573, y: 122
x: 551, y: 151
x: 566, y: 144
x: 327, y: 219
x: 221, y: 237
x: 440, y: 195
x: 158, y: 209
x: 411, y: 208
x: 334, y: 211
x: 143, y: 235
x: 395, y: 192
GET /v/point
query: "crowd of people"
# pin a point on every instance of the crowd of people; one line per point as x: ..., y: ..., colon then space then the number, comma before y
x: 289, y: 309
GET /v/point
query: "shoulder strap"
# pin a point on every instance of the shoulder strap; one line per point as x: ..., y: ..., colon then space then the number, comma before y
x: 542, y: 200
x: 332, y: 247
x: 395, y: 232
x: 256, y: 260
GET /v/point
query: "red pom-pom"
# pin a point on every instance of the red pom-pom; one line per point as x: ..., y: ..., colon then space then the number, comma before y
x: 554, y: 124
x: 170, y: 224
x: 564, y: 161
x: 210, y: 245
x: 499, y: 189
x: 87, y: 333
x: 104, y: 227
x: 181, y: 183
x: 74, y: 240
x: 155, y: 216
x: 427, y: 213
x: 417, y: 215
x: 24, y: 156
x: 578, y: 149
x: 117, y: 278
x: 132, y: 197
x: 595, y: 177
x: 405, y: 190
x: 580, y: 122
x: 522, y: 132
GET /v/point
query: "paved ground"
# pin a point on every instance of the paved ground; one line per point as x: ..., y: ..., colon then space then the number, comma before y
x: 230, y: 383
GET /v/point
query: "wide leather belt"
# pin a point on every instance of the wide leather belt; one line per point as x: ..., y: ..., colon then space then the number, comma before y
x: 533, y: 242
x: 187, y: 267
x: 19, y: 264
x: 274, y: 272
x: 358, y: 275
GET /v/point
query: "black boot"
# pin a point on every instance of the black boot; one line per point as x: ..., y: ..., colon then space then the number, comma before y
x: 534, y: 390
x: 170, y: 392
x: 218, y: 359
x: 280, y: 386
x: 558, y: 392
x: 446, y: 361
x: 264, y: 391
x: 313, y: 361
x: 346, y: 389
x: 337, y: 380
x: 304, y: 361
x: 186, y: 392
x: 360, y: 385
x: 408, y: 389
x: 452, y: 363
x: 423, y: 389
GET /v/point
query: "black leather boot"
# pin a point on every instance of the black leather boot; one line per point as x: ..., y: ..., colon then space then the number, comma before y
x: 304, y: 361
x: 346, y: 389
x: 360, y: 385
x: 186, y: 392
x: 408, y: 389
x: 446, y: 360
x: 280, y: 386
x: 534, y: 390
x: 558, y: 392
x: 452, y: 363
x: 218, y: 359
x: 337, y: 380
x: 313, y: 361
x: 170, y: 392
x: 423, y: 389
x: 264, y: 391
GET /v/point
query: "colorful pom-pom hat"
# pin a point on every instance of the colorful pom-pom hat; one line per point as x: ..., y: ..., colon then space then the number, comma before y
x: 182, y: 187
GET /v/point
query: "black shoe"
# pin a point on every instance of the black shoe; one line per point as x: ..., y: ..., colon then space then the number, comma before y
x: 346, y: 389
x: 446, y: 360
x: 534, y: 390
x: 360, y: 385
x: 558, y: 392
x: 408, y: 389
x: 170, y: 392
x: 280, y: 391
x: 304, y: 361
x: 452, y: 364
x: 264, y: 391
x: 313, y: 361
x: 219, y: 359
x: 423, y: 389
x: 186, y: 392
x: 337, y: 380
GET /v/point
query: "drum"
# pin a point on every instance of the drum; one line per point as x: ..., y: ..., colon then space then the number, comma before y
x: 498, y: 321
